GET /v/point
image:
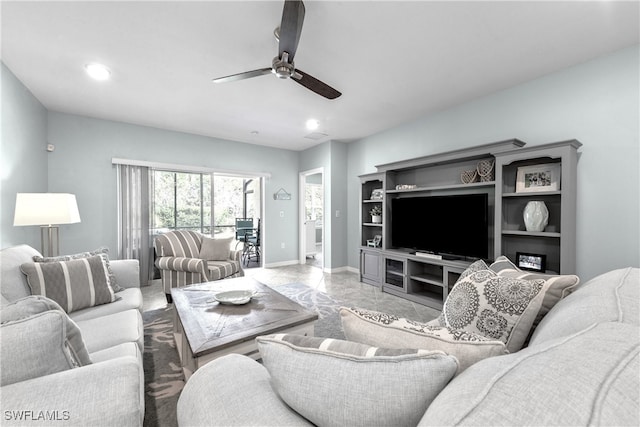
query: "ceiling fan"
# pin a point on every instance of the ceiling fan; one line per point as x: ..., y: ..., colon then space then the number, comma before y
x: 288, y: 35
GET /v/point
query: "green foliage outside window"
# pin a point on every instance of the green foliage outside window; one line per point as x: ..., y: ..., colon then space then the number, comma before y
x: 183, y: 201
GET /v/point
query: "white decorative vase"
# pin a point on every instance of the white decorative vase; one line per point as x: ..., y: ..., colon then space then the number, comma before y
x: 376, y: 219
x: 536, y: 215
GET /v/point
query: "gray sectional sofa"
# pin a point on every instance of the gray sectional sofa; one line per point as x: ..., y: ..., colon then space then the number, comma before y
x: 581, y: 367
x: 82, y: 368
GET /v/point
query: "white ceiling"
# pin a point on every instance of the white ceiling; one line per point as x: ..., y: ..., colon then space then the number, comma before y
x: 393, y: 61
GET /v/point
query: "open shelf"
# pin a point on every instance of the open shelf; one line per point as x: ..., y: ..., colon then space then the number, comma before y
x: 428, y: 279
x: 433, y: 300
x: 531, y: 233
x: 533, y: 195
x: 444, y: 187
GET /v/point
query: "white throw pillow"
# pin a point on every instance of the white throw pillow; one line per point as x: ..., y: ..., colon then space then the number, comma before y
x: 215, y: 249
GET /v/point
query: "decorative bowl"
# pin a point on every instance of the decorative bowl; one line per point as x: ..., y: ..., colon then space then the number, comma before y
x: 234, y: 297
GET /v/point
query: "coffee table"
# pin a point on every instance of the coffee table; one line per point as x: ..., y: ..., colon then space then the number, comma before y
x: 205, y: 330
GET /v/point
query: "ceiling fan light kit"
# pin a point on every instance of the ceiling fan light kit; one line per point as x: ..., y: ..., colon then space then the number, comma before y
x: 288, y: 36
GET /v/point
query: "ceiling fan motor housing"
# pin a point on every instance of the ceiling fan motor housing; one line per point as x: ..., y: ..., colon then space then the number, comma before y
x: 281, y: 66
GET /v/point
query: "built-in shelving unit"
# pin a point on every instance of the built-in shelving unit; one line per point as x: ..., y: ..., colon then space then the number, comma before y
x: 557, y: 241
x: 370, y: 261
x: 427, y: 280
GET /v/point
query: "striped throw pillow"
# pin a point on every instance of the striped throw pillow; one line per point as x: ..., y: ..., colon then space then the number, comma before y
x: 336, y: 382
x: 179, y: 244
x: 74, y: 284
x: 100, y: 251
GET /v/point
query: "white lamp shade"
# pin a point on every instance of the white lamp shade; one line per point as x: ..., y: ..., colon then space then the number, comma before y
x: 46, y: 209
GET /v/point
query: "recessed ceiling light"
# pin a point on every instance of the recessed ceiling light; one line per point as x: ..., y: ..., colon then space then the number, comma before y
x: 312, y: 124
x: 97, y: 71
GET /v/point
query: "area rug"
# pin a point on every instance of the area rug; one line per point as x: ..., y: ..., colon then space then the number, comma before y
x: 163, y: 375
x: 328, y: 324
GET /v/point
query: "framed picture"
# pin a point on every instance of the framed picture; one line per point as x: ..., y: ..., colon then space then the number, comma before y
x: 531, y: 262
x: 377, y: 194
x: 536, y: 178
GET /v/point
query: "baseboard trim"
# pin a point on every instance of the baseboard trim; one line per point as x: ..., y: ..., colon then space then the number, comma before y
x: 282, y: 263
x: 353, y: 270
x: 346, y: 268
x: 343, y: 269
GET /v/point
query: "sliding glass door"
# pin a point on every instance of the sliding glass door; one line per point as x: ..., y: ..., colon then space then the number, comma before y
x: 181, y: 201
x: 207, y: 203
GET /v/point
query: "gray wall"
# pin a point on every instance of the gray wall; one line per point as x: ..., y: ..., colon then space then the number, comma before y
x: 339, y: 207
x: 81, y: 164
x: 23, y: 156
x: 332, y: 156
x: 596, y: 102
x: 319, y: 156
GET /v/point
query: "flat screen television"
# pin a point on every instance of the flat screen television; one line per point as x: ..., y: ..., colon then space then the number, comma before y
x: 454, y: 226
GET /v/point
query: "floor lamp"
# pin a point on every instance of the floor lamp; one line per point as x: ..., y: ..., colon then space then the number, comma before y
x: 48, y: 210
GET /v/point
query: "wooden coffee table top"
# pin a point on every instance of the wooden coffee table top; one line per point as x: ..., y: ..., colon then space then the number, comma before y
x: 210, y: 326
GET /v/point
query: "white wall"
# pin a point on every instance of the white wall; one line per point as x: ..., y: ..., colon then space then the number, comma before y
x: 596, y: 103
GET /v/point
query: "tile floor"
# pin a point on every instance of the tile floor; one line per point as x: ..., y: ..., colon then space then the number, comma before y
x: 344, y: 287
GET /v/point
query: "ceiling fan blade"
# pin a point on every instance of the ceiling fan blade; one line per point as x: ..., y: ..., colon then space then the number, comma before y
x: 315, y: 85
x: 242, y: 76
x: 291, y: 27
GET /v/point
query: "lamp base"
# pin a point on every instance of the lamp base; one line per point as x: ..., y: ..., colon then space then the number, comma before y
x: 50, y: 234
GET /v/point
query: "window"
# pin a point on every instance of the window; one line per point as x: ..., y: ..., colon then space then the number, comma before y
x: 200, y: 202
x: 181, y: 201
x: 313, y: 203
x: 229, y: 205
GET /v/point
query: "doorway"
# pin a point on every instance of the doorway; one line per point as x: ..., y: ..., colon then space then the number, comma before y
x: 312, y: 218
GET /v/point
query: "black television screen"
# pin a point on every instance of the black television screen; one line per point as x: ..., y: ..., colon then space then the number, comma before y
x: 455, y: 225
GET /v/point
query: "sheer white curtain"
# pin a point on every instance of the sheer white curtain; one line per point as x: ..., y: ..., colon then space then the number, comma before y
x: 134, y: 240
